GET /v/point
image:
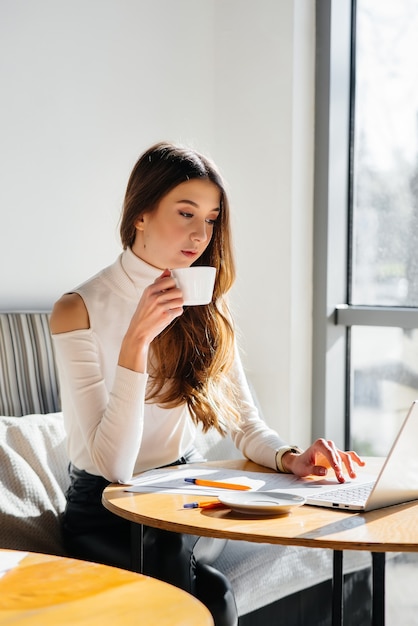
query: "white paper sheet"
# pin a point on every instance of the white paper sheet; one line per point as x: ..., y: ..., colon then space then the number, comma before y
x: 173, y: 480
x: 9, y: 560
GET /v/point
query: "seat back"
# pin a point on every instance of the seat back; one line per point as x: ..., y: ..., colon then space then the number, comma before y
x: 28, y: 374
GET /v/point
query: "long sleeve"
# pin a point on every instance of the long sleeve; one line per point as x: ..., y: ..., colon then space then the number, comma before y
x: 111, y: 430
x: 104, y: 420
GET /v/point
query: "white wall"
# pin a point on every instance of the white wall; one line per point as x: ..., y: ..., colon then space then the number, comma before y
x: 87, y: 85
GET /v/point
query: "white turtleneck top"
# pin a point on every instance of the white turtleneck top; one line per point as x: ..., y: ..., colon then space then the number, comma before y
x: 111, y: 430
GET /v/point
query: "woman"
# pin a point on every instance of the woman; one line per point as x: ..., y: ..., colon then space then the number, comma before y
x: 138, y: 371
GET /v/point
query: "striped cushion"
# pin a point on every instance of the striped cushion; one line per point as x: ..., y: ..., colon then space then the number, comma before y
x: 28, y: 375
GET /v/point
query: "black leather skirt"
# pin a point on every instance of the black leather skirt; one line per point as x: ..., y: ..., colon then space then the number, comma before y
x: 91, y: 532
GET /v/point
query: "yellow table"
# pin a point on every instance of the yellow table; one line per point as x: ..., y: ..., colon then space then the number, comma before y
x: 46, y: 590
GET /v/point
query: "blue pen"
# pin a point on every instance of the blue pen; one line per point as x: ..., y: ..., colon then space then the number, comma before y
x: 213, y: 504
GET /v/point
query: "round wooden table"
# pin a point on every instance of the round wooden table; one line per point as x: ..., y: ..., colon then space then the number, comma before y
x: 392, y: 529
x: 44, y: 590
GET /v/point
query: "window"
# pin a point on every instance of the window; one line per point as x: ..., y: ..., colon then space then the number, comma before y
x: 366, y: 215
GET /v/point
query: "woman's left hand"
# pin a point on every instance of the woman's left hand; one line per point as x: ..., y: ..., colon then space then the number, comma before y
x: 319, y: 457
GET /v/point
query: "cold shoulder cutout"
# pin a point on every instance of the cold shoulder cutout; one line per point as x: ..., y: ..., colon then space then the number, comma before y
x: 69, y: 313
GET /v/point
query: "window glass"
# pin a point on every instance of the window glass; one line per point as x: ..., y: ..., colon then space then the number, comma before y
x: 385, y: 167
x: 384, y: 372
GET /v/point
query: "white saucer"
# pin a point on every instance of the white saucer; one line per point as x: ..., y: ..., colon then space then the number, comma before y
x: 261, y: 502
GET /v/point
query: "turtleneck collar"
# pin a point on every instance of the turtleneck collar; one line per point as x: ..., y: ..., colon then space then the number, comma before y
x: 140, y: 273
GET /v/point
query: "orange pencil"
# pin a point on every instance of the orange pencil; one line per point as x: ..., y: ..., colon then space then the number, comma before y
x: 216, y: 484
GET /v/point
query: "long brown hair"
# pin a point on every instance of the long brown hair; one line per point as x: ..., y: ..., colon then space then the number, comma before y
x: 191, y: 358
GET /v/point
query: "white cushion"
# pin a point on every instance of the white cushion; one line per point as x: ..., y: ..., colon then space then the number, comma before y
x: 33, y: 475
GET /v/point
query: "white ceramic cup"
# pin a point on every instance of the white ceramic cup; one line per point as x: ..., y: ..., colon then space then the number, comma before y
x: 196, y: 283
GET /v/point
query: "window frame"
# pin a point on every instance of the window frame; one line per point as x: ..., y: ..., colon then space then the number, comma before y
x: 333, y: 316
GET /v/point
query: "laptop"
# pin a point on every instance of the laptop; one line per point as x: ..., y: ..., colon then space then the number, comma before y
x: 396, y: 483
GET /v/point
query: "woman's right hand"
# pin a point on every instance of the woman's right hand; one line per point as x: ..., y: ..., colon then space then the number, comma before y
x: 161, y: 302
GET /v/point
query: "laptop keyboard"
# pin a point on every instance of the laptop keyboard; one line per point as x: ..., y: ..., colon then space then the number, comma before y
x: 346, y: 495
